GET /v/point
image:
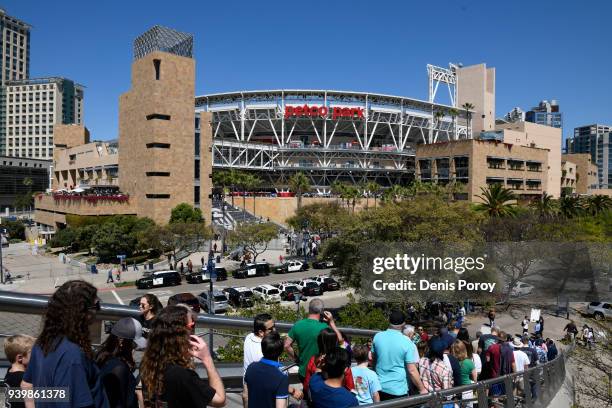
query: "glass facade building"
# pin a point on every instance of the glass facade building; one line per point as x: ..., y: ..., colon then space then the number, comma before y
x: 597, y: 141
x: 547, y: 114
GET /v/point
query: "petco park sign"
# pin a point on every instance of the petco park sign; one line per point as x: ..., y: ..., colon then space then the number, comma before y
x: 322, y: 112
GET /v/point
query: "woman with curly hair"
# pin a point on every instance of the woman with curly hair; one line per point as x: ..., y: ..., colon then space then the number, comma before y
x: 62, y: 355
x: 167, y: 368
x: 149, y: 306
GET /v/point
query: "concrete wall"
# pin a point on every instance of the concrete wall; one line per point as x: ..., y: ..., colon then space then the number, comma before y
x: 544, y: 137
x: 586, y: 171
x: 172, y: 94
x: 568, y: 176
x: 478, y: 151
x: 50, y: 211
x: 70, y: 165
x: 279, y: 209
x: 476, y: 85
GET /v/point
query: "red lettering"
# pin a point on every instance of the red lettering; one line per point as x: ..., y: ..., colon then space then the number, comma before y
x: 289, y: 111
x: 314, y: 111
x: 323, y: 111
x: 299, y: 111
x: 337, y: 112
x: 360, y: 113
x: 346, y: 112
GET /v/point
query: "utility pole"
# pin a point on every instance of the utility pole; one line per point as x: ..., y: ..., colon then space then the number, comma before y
x: 2, y: 238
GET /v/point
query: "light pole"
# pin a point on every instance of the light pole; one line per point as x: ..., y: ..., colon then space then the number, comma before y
x: 2, y: 238
x: 211, y: 303
x: 298, y: 299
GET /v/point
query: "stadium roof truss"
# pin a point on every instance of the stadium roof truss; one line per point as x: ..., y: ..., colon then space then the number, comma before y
x: 251, y: 130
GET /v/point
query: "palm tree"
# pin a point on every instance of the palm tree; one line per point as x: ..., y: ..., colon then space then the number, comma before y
x: 351, y: 194
x: 454, y: 113
x: 468, y: 107
x: 570, y: 206
x: 438, y: 115
x: 299, y: 184
x: 545, y: 206
x: 497, y: 201
x: 371, y: 188
x: 253, y: 182
x: 337, y: 188
x: 598, y: 204
x: 395, y: 193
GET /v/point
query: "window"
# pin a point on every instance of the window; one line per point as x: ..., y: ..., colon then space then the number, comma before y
x: 158, y: 145
x: 196, y: 194
x: 196, y: 173
x: 156, y: 196
x: 158, y: 174
x: 197, y: 144
x: 158, y: 116
x: 157, y: 66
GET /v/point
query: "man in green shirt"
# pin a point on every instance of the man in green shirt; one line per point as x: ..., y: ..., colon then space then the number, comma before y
x: 305, y: 333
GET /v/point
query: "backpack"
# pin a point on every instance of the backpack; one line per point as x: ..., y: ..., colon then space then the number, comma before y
x: 541, y: 355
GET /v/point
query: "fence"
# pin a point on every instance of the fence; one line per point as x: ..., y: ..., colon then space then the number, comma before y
x: 535, y: 387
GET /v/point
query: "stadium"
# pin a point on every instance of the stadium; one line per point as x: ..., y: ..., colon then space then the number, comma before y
x: 328, y: 135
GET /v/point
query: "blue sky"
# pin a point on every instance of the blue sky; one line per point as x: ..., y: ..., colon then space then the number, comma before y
x: 541, y: 50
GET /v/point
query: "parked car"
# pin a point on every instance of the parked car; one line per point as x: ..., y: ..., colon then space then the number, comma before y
x: 186, y: 298
x: 239, y: 296
x: 203, y: 275
x: 158, y: 278
x: 308, y: 287
x: 220, y: 304
x: 250, y: 270
x: 521, y: 289
x: 600, y: 310
x: 267, y: 293
x: 325, y: 264
x: 293, y: 266
x: 288, y: 291
x: 327, y: 284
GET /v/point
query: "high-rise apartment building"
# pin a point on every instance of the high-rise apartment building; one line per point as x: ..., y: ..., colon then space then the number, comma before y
x: 515, y: 115
x: 15, y: 48
x: 546, y: 113
x: 597, y: 141
x: 32, y: 107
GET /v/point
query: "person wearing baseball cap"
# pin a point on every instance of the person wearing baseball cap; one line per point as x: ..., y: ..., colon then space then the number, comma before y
x: 393, y: 356
x: 116, y: 361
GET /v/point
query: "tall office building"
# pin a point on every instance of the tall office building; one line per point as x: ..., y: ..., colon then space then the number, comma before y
x: 515, y: 115
x: 32, y: 108
x: 597, y: 141
x: 15, y: 48
x: 546, y: 113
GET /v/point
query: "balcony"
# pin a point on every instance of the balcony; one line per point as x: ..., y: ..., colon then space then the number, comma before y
x: 52, y: 208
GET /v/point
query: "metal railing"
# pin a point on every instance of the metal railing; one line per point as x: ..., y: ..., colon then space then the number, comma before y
x: 535, y: 387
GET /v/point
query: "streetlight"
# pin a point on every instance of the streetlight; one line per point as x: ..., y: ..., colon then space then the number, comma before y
x: 305, y: 239
x: 3, y: 232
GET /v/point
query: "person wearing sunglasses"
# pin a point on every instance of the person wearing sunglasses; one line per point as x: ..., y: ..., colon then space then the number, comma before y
x: 167, y: 369
x: 62, y: 356
x: 149, y: 307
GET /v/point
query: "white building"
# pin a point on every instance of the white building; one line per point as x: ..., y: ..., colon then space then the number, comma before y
x: 32, y: 108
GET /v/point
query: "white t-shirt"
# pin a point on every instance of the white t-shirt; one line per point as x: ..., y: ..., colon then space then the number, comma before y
x: 521, y: 359
x: 477, y: 362
x: 526, y: 324
x: 252, y: 350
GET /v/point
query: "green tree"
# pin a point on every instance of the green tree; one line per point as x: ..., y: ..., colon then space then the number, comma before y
x: 84, y: 236
x: 299, y: 184
x: 351, y: 195
x: 337, y: 188
x: 454, y: 113
x: 544, y: 206
x: 63, y: 238
x: 179, y: 239
x: 598, y: 204
x: 255, y: 238
x: 15, y: 229
x: 253, y: 182
x: 570, y: 207
x: 372, y: 189
x: 185, y: 213
x: 468, y: 107
x: 111, y: 240
x: 323, y: 218
x: 497, y: 201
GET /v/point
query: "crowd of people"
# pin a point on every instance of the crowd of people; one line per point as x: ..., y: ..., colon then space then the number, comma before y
x: 399, y: 361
